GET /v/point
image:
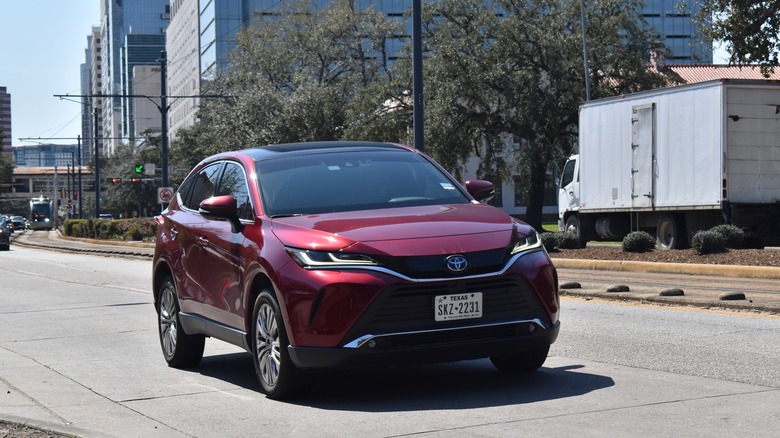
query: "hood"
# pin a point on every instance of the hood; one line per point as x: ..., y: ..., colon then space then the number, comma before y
x: 440, y: 229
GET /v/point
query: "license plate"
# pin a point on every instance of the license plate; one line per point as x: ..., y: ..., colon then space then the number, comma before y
x: 458, y: 306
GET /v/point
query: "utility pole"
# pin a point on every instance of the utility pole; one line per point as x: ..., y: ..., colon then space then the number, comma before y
x: 585, y: 51
x: 97, y: 167
x: 164, y: 121
x: 81, y: 210
x: 417, y: 71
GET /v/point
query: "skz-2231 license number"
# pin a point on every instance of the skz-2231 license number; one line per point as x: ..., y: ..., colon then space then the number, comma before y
x: 458, y: 306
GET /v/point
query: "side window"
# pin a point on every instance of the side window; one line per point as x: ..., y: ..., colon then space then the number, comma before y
x: 203, y: 186
x: 568, y: 173
x: 234, y: 183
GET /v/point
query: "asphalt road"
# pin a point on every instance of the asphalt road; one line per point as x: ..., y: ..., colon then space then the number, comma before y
x: 79, y: 353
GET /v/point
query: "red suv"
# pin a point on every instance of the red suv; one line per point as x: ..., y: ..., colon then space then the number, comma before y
x: 343, y: 254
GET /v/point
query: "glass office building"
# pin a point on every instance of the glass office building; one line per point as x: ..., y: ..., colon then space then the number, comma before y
x: 119, y: 20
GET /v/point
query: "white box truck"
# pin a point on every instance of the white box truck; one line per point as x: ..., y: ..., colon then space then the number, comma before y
x: 674, y: 161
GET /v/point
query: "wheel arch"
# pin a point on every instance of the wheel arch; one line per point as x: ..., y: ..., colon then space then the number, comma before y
x: 161, y: 270
x: 259, y: 282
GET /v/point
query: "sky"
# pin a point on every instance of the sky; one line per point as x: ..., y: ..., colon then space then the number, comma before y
x: 42, y: 46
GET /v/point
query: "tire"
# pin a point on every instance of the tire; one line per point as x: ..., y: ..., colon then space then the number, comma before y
x: 179, y: 349
x: 670, y: 233
x: 574, y: 226
x: 278, y: 375
x: 524, y: 362
x: 5, y: 247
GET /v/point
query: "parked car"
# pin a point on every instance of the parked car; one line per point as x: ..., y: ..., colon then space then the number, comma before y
x: 345, y: 254
x: 5, y: 234
x: 106, y: 216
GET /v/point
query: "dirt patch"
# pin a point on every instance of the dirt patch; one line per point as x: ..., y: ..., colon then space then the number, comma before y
x: 741, y: 257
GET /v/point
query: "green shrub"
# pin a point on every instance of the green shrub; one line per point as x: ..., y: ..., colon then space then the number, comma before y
x: 733, y: 236
x: 708, y: 242
x: 638, y: 241
x: 568, y: 240
x: 549, y: 240
x: 123, y: 229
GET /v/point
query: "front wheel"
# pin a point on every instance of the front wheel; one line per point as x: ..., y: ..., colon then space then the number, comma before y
x: 524, y: 362
x: 179, y: 349
x: 574, y: 226
x: 275, y: 370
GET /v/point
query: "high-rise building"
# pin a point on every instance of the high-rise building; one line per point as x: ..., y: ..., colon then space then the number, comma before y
x: 131, y: 31
x: 139, y: 50
x: 5, y: 121
x: 674, y: 20
x: 91, y: 80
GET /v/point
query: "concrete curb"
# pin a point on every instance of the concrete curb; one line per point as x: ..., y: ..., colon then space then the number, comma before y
x: 762, y: 272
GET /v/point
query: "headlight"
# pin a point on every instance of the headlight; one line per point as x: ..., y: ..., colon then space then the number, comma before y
x: 307, y: 258
x: 528, y: 242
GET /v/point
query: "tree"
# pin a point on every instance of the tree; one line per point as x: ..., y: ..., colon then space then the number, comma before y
x: 128, y: 196
x: 491, y: 77
x: 6, y: 164
x: 294, y: 74
x: 750, y: 29
x: 6, y: 169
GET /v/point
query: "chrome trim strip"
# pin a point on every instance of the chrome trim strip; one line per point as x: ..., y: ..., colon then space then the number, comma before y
x: 359, y: 342
x: 428, y: 280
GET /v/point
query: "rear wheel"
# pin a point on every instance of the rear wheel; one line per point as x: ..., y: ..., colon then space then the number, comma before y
x: 669, y: 233
x: 275, y: 370
x: 524, y: 362
x: 179, y: 349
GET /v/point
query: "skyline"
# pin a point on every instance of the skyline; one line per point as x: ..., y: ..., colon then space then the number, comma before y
x: 42, y: 48
x: 34, y: 69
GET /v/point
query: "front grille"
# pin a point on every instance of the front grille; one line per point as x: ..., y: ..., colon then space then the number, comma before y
x: 406, y: 308
x: 436, y: 266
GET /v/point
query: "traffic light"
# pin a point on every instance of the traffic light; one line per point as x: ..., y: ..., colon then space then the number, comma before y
x: 115, y: 180
x: 135, y: 180
x: 139, y: 168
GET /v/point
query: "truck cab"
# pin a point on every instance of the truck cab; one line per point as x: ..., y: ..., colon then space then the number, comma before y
x: 569, y: 195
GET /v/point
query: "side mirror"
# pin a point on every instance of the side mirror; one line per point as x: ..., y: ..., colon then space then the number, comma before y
x: 222, y: 207
x: 481, y: 190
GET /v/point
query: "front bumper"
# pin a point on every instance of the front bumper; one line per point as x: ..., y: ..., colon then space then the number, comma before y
x: 431, y: 346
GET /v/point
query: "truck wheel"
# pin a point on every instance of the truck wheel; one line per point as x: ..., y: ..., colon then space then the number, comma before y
x: 573, y: 226
x: 669, y: 233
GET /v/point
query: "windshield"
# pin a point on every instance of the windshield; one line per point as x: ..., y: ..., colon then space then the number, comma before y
x: 353, y: 180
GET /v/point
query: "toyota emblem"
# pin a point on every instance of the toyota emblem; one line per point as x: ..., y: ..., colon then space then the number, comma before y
x: 457, y: 263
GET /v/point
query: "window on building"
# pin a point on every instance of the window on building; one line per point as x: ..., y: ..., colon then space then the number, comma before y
x: 550, y: 191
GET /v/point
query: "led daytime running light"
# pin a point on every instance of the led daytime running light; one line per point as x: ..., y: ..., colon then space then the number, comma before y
x: 529, y: 242
x: 307, y: 258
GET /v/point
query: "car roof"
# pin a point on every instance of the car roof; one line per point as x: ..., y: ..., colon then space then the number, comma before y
x: 307, y: 148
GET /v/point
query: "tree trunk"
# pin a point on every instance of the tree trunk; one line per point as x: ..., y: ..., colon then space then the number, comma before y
x: 533, y: 210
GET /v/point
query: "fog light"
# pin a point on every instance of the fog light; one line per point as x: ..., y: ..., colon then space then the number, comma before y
x: 371, y: 343
x: 531, y: 328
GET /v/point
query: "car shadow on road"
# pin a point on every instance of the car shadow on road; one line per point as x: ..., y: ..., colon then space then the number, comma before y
x: 459, y: 385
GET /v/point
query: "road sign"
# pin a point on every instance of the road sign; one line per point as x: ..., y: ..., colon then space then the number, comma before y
x: 164, y: 195
x: 150, y: 168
